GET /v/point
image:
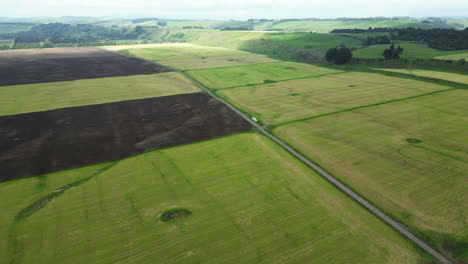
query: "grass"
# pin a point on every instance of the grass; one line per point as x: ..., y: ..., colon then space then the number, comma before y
x: 251, y: 202
x: 16, y: 99
x: 256, y: 74
x: 453, y: 77
x: 188, y: 56
x: 423, y: 184
x: 457, y: 56
x: 316, y: 42
x: 297, y: 99
x: 411, y: 49
x: 326, y: 26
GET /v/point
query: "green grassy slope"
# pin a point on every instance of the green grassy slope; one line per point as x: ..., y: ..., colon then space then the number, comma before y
x: 251, y: 202
x: 327, y: 26
x: 415, y: 50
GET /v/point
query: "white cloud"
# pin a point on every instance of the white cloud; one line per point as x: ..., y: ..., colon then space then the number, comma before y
x: 234, y: 9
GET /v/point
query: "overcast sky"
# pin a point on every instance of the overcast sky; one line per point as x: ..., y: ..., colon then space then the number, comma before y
x: 233, y: 9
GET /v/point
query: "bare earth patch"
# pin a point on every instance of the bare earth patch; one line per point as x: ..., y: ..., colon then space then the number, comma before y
x: 73, y: 137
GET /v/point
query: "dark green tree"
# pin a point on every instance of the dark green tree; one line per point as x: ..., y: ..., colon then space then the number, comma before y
x: 392, y: 53
x: 339, y: 55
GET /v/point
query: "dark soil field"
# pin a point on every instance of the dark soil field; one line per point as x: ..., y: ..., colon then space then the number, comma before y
x: 66, y: 64
x: 72, y: 137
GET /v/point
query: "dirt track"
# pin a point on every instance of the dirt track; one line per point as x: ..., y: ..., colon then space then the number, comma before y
x: 66, y: 64
x: 72, y: 137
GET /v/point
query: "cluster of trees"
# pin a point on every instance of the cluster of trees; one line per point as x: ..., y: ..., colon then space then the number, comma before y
x: 238, y: 28
x: 369, y: 30
x: 65, y: 33
x: 141, y: 20
x: 190, y: 27
x: 441, y: 39
x: 377, y: 40
x: 392, y: 53
x: 339, y: 55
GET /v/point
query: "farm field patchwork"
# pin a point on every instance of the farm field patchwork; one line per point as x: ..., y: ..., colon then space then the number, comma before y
x: 78, y: 136
x: 187, y: 56
x: 66, y: 64
x: 295, y: 99
x: 453, y: 77
x: 410, y: 49
x: 263, y: 206
x: 16, y: 99
x: 228, y: 77
x: 408, y: 157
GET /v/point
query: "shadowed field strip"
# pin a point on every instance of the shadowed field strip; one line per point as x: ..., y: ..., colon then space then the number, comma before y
x: 453, y: 77
x: 261, y: 206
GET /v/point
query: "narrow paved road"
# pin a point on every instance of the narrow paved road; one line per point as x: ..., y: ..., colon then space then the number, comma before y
x: 400, y: 228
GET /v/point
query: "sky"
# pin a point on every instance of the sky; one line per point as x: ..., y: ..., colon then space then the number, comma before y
x: 233, y: 9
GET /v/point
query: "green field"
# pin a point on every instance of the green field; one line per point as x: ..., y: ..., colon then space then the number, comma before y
x: 220, y: 78
x: 457, y: 56
x: 453, y: 77
x: 251, y: 202
x: 421, y: 184
x: 16, y: 99
x: 188, y: 56
x: 313, y: 41
x: 295, y: 99
x: 326, y: 26
x: 414, y: 50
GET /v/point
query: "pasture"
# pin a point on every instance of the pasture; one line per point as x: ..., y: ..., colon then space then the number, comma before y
x: 325, y: 26
x: 285, y: 101
x: 251, y: 202
x: 313, y: 41
x: 408, y: 157
x: 187, y: 56
x: 453, y: 77
x: 457, y: 56
x: 220, y: 78
x: 410, y: 49
x: 25, y: 98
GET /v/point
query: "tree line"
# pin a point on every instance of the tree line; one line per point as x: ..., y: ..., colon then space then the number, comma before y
x: 440, y: 38
x: 65, y: 33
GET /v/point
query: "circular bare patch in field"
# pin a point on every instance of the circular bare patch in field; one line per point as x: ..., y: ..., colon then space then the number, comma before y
x: 413, y: 140
x: 174, y: 213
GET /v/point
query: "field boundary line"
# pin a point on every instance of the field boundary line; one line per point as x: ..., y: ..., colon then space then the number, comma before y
x: 387, y: 219
x: 263, y: 83
x: 359, y: 107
